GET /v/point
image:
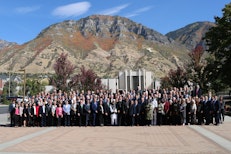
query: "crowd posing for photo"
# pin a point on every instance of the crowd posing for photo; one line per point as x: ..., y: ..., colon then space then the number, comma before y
x: 175, y: 106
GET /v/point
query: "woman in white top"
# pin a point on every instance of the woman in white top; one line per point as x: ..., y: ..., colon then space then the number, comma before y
x: 183, y: 111
x: 193, y: 111
x: 53, y: 110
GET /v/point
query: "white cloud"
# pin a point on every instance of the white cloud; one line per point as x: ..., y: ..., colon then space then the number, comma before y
x: 137, y: 12
x: 114, y: 10
x: 144, y: 9
x: 28, y: 9
x: 74, y: 9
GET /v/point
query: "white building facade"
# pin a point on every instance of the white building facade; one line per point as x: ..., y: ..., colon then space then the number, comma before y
x: 111, y: 84
x: 129, y: 80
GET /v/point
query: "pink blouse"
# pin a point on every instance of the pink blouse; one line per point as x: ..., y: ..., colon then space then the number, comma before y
x: 59, y: 111
x: 16, y: 111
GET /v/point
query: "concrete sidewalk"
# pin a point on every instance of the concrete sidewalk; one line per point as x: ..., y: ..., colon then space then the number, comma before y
x: 155, y: 139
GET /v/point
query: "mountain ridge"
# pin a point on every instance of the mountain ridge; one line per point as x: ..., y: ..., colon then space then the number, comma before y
x: 106, y: 44
x: 4, y: 44
x: 192, y: 34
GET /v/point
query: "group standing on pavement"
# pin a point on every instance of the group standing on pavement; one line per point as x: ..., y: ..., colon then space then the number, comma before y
x: 175, y: 106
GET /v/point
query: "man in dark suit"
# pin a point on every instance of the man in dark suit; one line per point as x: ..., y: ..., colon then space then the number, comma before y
x: 175, y: 108
x: 137, y: 113
x: 87, y: 112
x: 121, y: 111
x: 49, y: 117
x: 207, y: 110
x: 33, y: 115
x: 43, y: 113
x: 217, y: 108
x: 94, y: 111
x: 142, y: 112
x: 106, y: 106
x: 80, y: 112
x: 11, y: 111
x: 200, y: 110
x: 132, y: 113
x: 101, y: 111
x: 197, y: 92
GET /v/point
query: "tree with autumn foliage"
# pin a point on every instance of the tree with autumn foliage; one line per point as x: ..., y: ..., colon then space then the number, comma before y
x: 195, y: 71
x: 198, y: 71
x: 87, y: 79
x: 63, y: 71
x: 196, y: 67
x: 165, y: 82
x: 175, y: 78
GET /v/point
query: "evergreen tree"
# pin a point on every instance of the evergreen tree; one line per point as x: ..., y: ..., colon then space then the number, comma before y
x: 33, y: 87
x: 9, y: 92
x: 218, y: 39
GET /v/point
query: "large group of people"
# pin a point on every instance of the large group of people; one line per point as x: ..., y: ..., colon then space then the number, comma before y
x: 175, y: 106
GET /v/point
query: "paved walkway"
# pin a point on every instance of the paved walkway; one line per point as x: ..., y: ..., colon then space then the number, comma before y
x: 155, y: 139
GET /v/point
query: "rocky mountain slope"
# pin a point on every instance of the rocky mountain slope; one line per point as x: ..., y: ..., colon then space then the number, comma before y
x: 106, y: 44
x: 192, y: 34
x: 4, y: 44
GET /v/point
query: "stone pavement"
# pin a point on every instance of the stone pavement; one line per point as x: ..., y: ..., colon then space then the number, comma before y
x: 116, y: 140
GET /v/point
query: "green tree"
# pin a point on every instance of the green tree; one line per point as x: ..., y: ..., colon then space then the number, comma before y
x: 12, y: 91
x: 214, y: 79
x: 34, y: 86
x: 218, y: 39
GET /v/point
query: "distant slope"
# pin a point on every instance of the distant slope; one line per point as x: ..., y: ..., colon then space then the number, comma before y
x: 192, y: 34
x: 106, y: 44
x: 4, y: 44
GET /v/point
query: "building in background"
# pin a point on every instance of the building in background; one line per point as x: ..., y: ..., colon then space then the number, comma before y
x: 128, y: 80
x: 111, y: 84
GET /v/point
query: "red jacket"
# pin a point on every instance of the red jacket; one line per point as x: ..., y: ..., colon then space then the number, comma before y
x: 37, y: 111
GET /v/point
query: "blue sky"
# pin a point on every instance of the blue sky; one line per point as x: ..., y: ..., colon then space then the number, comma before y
x: 23, y: 20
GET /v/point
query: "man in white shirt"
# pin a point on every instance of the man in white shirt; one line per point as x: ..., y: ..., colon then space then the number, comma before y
x: 155, y: 105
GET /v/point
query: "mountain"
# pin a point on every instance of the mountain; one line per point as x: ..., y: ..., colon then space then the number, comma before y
x: 192, y: 34
x: 106, y: 44
x: 4, y: 44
